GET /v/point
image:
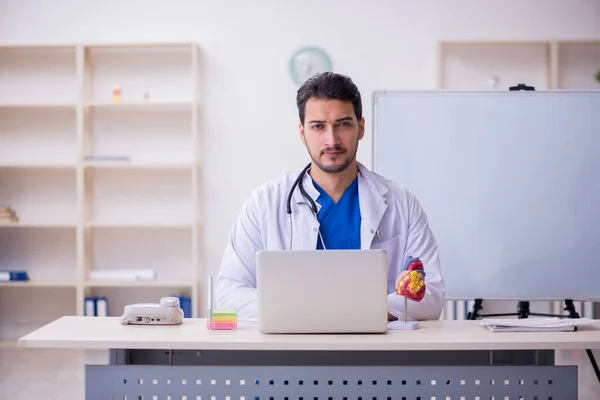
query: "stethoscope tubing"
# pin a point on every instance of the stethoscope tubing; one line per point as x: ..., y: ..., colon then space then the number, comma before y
x: 313, y: 206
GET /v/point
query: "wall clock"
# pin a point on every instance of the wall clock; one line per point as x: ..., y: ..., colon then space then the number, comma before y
x: 308, y: 61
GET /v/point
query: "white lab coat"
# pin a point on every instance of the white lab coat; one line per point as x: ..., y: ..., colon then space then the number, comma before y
x: 391, y: 219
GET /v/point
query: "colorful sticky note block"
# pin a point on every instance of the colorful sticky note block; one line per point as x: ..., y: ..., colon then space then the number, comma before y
x: 223, y: 320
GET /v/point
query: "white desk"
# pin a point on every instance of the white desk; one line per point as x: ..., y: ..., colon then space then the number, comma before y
x: 441, y: 360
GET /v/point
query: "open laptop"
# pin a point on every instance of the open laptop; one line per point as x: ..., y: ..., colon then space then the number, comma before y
x: 317, y: 291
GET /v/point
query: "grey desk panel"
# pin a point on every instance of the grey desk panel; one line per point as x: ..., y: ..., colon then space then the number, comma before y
x: 330, y: 382
x: 330, y: 358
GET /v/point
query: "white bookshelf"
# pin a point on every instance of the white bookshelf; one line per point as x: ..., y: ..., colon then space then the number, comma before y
x: 576, y: 63
x: 133, y: 205
x: 38, y: 136
x: 499, y: 65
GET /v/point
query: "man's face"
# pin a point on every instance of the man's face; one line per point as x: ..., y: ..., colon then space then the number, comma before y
x: 331, y: 133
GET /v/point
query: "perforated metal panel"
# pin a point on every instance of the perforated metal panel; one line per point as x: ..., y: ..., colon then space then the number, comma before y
x: 139, y: 382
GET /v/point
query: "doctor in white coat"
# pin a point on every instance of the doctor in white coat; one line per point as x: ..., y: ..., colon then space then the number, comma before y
x: 355, y: 208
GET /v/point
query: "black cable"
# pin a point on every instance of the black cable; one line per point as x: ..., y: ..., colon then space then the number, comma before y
x: 594, y: 364
x: 570, y: 307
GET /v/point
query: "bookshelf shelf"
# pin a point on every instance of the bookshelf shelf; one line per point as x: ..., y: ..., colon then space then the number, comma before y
x: 146, y: 166
x: 28, y: 73
x: 141, y: 224
x: 143, y: 284
x: 37, y: 106
x: 37, y: 166
x: 498, y: 65
x: 38, y: 137
x: 141, y: 136
x: 96, y: 183
x: 576, y: 65
x: 40, y: 284
x: 145, y: 106
x: 50, y: 225
x: 493, y: 65
x: 39, y: 196
x: 144, y: 73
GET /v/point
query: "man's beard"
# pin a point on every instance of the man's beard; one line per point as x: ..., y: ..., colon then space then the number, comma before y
x: 334, y: 169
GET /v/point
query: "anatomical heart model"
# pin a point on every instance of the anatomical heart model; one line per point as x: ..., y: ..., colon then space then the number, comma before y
x: 412, y: 286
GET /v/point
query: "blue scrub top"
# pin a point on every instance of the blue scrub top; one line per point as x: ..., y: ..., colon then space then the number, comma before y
x: 339, y: 223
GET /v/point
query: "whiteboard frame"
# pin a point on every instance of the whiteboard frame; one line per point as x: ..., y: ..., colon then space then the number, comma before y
x: 377, y: 95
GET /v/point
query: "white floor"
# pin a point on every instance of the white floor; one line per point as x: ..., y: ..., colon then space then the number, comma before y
x: 44, y: 374
x: 53, y: 374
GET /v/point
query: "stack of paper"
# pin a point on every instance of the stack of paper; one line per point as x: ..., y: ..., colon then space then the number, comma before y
x: 122, y: 275
x: 7, y: 215
x: 536, y: 324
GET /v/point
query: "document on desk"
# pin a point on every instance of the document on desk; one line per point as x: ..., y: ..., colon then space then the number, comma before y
x: 536, y: 324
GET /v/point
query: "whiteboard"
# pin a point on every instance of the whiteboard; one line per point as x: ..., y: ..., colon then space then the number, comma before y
x: 510, y: 183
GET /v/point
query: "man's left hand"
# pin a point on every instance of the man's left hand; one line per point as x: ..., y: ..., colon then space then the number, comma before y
x: 399, y: 279
x: 411, y: 285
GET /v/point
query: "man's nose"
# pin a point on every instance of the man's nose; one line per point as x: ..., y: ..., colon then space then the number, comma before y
x: 331, y: 136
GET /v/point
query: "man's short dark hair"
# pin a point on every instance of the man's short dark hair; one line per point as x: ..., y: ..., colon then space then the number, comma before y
x: 328, y: 86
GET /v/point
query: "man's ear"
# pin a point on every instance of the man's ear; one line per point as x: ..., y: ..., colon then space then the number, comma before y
x: 361, y: 127
x: 301, y: 131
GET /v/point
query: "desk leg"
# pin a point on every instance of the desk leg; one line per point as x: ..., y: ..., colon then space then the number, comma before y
x: 118, y: 356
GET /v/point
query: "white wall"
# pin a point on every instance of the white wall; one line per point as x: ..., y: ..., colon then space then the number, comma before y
x: 249, y: 117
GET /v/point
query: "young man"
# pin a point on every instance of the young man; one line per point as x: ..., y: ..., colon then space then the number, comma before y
x: 355, y: 208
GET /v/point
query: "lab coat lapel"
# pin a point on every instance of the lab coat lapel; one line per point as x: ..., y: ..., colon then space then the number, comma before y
x: 372, y: 206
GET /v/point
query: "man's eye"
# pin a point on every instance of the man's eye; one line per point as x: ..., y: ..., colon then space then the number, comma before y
x: 345, y: 124
x: 318, y: 126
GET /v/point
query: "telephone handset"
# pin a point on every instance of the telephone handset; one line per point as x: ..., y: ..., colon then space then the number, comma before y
x: 167, y: 312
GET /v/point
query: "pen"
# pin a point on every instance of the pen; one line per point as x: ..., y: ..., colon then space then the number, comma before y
x: 210, y: 301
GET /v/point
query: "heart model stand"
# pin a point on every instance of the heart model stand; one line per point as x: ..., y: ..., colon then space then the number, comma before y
x: 412, y: 287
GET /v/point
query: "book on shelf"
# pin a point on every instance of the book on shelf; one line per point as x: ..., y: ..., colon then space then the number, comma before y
x: 8, y: 215
x: 16, y: 276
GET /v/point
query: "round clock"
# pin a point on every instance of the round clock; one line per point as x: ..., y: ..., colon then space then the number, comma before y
x: 308, y: 61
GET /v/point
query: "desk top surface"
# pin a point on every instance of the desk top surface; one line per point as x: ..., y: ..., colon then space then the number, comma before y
x: 108, y: 333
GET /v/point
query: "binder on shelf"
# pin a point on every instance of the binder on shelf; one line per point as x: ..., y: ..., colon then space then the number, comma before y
x: 8, y: 276
x: 101, y: 307
x: 90, y: 307
x: 96, y: 306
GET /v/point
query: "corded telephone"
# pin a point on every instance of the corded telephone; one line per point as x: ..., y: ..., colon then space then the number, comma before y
x: 167, y: 312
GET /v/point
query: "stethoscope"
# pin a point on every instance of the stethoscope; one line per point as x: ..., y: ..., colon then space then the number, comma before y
x: 313, y: 206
